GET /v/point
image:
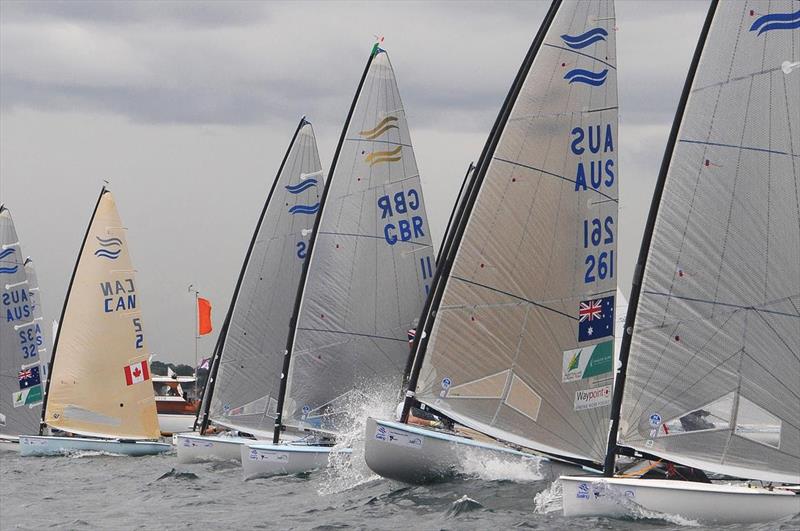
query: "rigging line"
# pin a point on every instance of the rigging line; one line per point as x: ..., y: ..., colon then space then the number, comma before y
x: 379, y: 142
x: 514, y: 296
x: 554, y: 175
x: 580, y: 53
x: 726, y: 304
x: 739, y: 78
x: 748, y: 148
x: 777, y: 334
x: 612, y: 108
x: 419, y: 244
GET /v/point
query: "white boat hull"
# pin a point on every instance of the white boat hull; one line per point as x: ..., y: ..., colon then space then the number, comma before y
x: 264, y: 460
x: 195, y: 448
x: 169, y: 424
x: 705, y: 503
x: 36, y: 445
x: 416, y: 455
x: 9, y: 443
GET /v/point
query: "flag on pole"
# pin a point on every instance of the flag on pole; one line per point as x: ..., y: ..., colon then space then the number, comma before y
x: 203, y: 316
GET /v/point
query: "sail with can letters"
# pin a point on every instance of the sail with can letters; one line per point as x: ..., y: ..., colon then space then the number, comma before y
x: 370, y: 262
x: 99, y: 383
x: 22, y: 343
x: 247, y: 367
x: 712, y: 375
x: 519, y: 342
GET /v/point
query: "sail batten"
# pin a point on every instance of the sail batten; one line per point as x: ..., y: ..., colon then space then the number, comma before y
x: 521, y: 338
x: 712, y: 375
x: 249, y: 359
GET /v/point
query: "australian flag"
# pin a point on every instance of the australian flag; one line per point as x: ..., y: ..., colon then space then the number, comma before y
x: 29, y: 377
x: 596, y: 319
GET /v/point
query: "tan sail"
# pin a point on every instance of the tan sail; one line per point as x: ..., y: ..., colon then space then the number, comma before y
x: 100, y: 383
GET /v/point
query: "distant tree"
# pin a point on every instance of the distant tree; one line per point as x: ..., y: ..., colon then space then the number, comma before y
x: 158, y: 368
x: 183, y: 370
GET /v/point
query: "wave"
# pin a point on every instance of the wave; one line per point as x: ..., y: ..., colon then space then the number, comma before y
x: 585, y: 39
x: 579, y: 75
x: 9, y: 270
x: 376, y: 157
x: 304, y: 209
x: 301, y: 186
x: 7, y: 252
x: 105, y: 253
x: 108, y: 242
x: 379, y: 129
x: 776, y: 21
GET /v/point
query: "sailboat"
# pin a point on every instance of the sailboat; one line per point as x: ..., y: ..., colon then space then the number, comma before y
x: 98, y: 390
x: 514, y: 350
x: 22, y: 343
x: 242, y: 390
x: 709, y: 382
x: 365, y: 281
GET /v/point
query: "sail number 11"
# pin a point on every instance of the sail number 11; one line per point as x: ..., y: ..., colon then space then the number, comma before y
x: 599, y: 265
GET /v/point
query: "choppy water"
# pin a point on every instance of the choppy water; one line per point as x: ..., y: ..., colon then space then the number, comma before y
x: 109, y: 492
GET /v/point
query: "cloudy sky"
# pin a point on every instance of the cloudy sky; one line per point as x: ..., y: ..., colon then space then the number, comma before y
x: 187, y: 109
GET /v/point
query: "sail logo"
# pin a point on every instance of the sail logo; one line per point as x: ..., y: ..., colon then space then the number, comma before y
x: 776, y: 21
x: 109, y: 248
x: 301, y: 186
x: 29, y: 377
x: 136, y: 372
x: 7, y: 270
x: 587, y: 77
x: 377, y: 157
x: 585, y: 39
x: 596, y: 319
x: 304, y: 209
x: 592, y: 398
x: 29, y: 396
x: 587, y: 362
x: 382, y: 127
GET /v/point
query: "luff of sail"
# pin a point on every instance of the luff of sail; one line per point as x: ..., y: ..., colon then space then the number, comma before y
x: 370, y: 264
x: 21, y: 338
x: 713, y: 374
x: 99, y: 383
x: 521, y: 346
x: 246, y: 386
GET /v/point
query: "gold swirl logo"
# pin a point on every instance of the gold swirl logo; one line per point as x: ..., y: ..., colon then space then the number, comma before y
x: 383, y: 126
x: 376, y: 157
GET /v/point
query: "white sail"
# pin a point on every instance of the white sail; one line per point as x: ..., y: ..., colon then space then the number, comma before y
x: 370, y: 265
x: 245, y: 390
x: 522, y: 341
x: 22, y: 344
x: 713, y: 376
x: 100, y: 382
x: 41, y: 334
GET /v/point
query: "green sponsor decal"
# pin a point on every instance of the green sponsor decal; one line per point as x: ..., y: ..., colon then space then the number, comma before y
x: 586, y: 362
x: 602, y: 360
x: 28, y: 397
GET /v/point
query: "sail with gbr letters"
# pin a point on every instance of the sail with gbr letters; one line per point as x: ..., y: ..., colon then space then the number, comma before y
x: 99, y: 383
x: 245, y: 388
x: 370, y: 265
x: 22, y: 343
x: 519, y: 344
x: 713, y: 372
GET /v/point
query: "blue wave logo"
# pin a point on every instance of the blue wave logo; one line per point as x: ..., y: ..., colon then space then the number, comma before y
x: 585, y: 39
x: 304, y: 209
x: 8, y: 270
x: 776, y: 21
x: 109, y: 248
x: 579, y: 75
x: 301, y: 186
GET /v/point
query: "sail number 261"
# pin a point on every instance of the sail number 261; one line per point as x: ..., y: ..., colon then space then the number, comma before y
x: 599, y: 264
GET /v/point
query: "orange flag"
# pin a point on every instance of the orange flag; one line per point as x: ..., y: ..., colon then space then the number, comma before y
x: 203, y: 316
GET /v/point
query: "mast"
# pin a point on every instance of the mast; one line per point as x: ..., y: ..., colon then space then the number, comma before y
x: 304, y: 274
x: 51, y: 365
x: 479, y: 173
x: 644, y: 251
x: 208, y: 392
x: 454, y: 214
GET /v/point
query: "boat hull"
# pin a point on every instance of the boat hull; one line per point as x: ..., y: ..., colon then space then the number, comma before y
x: 9, y: 443
x: 702, y: 502
x: 416, y: 455
x: 36, y: 445
x: 264, y: 460
x: 193, y: 448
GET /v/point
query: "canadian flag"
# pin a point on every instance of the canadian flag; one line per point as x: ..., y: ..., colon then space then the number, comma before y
x: 137, y: 372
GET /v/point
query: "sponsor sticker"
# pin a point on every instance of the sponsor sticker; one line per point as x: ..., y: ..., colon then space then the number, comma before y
x: 399, y: 438
x: 583, y: 491
x: 586, y: 362
x: 655, y: 420
x: 592, y: 398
